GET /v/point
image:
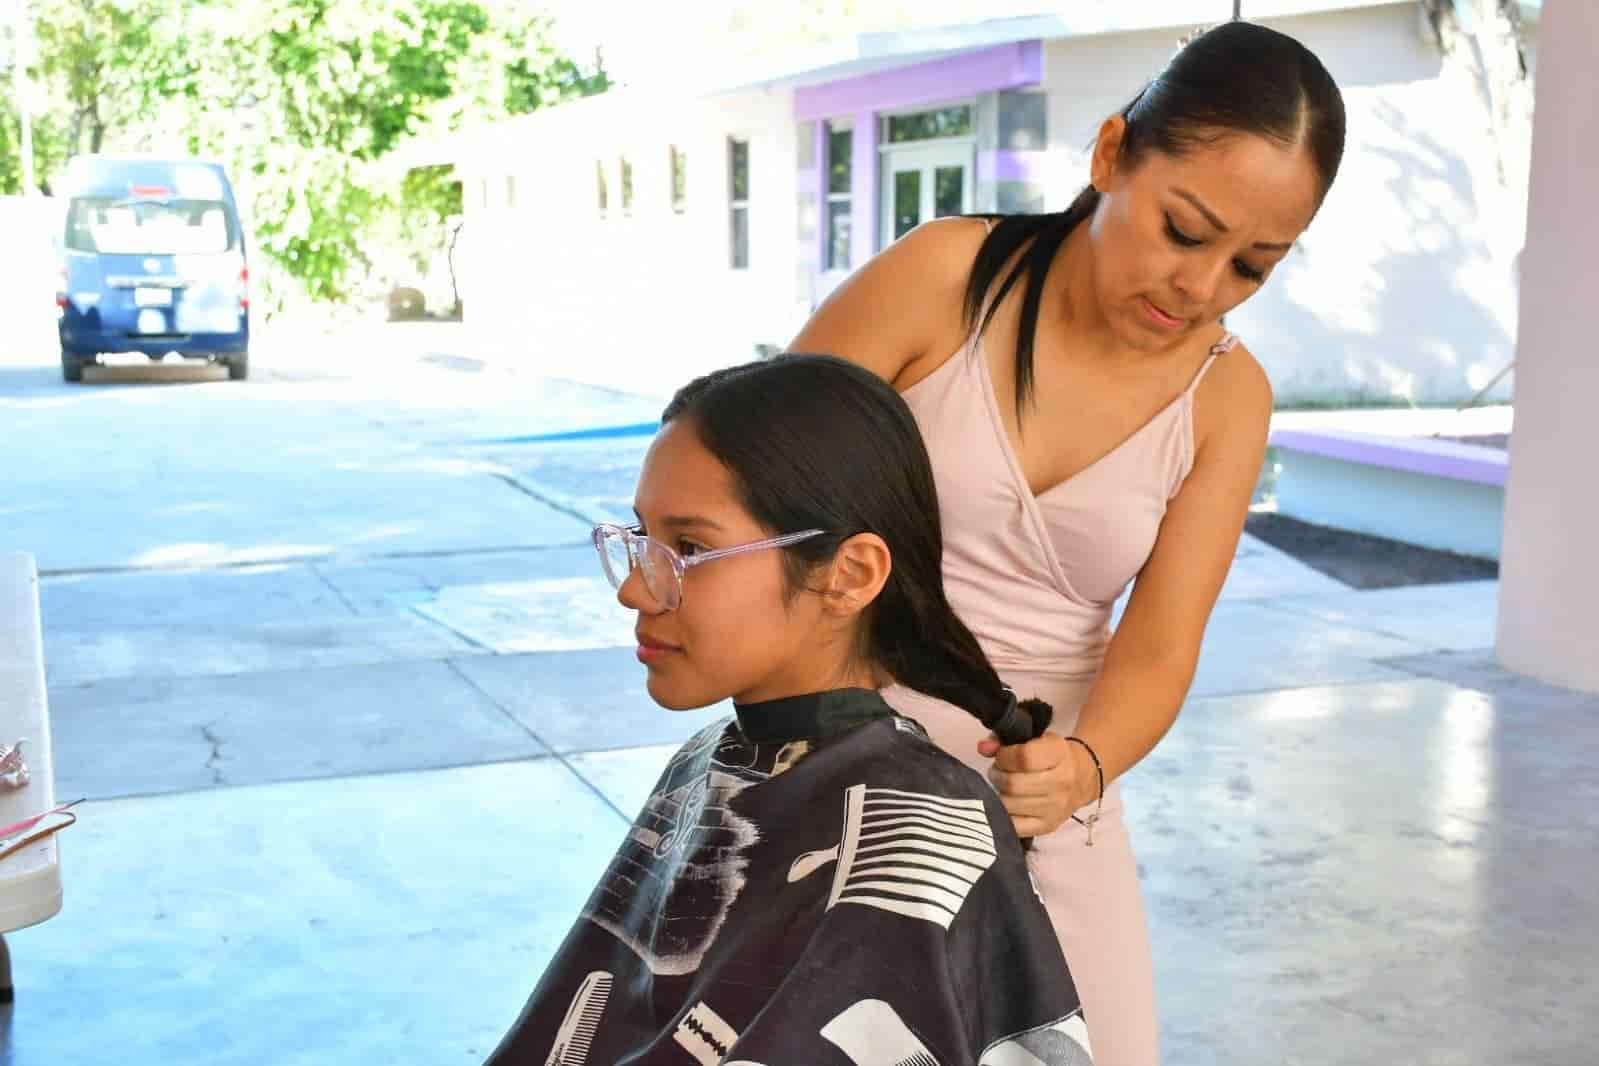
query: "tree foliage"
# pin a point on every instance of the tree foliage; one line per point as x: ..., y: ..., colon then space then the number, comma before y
x: 106, y: 64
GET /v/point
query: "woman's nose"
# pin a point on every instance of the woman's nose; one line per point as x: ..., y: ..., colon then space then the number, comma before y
x: 1198, y: 281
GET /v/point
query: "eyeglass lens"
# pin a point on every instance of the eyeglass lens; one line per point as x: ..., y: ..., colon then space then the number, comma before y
x: 621, y: 553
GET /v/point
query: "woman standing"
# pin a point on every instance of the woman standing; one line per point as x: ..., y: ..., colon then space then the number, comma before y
x: 1091, y: 421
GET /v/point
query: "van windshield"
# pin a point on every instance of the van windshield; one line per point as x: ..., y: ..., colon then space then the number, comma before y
x: 129, y: 226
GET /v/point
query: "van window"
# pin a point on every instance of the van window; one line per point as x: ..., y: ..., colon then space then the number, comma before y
x: 129, y: 226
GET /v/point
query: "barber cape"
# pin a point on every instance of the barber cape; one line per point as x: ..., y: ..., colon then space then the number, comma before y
x: 812, y: 883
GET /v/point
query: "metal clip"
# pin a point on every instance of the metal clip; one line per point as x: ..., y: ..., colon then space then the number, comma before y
x: 13, y: 770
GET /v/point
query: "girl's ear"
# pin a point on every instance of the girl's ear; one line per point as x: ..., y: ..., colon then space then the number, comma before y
x: 858, y: 574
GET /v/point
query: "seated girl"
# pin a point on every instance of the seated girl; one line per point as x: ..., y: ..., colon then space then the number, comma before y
x: 812, y: 881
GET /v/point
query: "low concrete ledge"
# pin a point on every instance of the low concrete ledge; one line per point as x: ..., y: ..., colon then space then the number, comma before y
x: 1428, y: 456
x: 1439, y: 494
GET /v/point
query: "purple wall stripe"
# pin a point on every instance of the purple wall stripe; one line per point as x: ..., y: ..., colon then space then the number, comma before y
x: 817, y: 183
x: 983, y: 70
x: 863, y: 190
x: 1417, y: 455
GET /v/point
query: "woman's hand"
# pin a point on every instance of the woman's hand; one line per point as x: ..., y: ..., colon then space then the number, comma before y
x: 1042, y: 782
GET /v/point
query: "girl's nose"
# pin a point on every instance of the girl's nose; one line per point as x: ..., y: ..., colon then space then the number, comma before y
x: 635, y: 595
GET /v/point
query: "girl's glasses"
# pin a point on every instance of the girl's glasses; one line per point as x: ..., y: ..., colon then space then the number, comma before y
x: 624, y: 550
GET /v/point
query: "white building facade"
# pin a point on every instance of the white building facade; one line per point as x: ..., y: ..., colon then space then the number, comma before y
x: 639, y: 238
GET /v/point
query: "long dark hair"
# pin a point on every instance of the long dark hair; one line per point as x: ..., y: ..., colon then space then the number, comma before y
x: 1236, y: 78
x: 814, y: 442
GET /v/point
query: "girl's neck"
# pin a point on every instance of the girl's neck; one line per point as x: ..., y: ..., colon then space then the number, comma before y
x: 820, y: 679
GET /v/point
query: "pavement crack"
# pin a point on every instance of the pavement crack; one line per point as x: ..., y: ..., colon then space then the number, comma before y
x: 338, y: 558
x: 556, y: 755
x: 466, y: 638
x: 337, y: 592
x: 544, y: 498
x: 213, y: 763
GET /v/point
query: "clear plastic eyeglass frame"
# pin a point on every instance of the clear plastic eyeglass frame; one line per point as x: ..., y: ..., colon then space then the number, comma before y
x: 623, y: 549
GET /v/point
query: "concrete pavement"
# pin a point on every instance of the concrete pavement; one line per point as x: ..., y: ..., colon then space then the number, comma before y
x: 360, y: 725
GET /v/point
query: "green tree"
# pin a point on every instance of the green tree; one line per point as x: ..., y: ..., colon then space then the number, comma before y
x: 49, y: 146
x: 108, y: 64
x: 49, y: 141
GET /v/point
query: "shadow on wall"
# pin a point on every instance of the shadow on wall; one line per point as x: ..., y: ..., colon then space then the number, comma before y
x: 1402, y: 291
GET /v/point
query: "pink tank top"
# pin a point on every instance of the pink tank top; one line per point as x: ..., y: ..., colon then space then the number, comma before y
x: 1036, y: 578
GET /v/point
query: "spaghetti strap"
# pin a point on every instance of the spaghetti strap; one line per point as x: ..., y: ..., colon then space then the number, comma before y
x: 1217, y: 350
x: 1203, y: 370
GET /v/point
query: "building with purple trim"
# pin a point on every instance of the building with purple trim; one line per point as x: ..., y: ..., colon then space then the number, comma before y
x: 641, y: 237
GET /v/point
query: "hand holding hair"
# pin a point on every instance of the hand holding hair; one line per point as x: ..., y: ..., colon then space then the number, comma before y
x: 1043, y: 782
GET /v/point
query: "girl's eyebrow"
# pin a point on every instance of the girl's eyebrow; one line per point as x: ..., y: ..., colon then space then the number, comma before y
x: 684, y: 521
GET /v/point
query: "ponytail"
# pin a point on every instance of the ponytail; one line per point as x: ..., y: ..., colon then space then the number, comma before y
x: 1038, y: 238
x: 916, y: 636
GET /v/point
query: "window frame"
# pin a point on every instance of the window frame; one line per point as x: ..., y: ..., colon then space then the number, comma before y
x: 886, y: 120
x: 736, y: 205
x: 677, y: 176
x: 830, y: 197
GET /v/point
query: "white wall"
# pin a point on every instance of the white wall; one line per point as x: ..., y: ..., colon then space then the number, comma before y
x: 1403, y: 289
x: 28, y: 277
x: 645, y: 301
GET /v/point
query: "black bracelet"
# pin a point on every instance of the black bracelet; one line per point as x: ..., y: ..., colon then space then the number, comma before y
x: 1099, y: 768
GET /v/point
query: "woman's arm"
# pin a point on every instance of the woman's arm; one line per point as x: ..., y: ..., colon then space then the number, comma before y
x: 1152, y: 656
x: 902, y: 306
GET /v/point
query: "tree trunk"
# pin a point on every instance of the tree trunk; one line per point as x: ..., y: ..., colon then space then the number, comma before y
x: 449, y: 260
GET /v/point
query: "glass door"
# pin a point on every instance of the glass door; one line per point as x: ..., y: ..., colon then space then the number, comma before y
x: 921, y: 183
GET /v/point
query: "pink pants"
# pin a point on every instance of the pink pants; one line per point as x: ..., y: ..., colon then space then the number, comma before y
x: 1091, y: 893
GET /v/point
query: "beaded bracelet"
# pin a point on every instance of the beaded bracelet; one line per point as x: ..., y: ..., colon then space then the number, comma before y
x: 1099, y: 803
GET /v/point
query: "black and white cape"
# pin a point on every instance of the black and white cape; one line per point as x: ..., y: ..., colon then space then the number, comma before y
x: 811, y: 884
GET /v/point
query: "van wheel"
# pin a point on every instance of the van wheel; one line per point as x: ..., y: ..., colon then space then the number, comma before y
x: 238, y: 366
x: 71, y: 368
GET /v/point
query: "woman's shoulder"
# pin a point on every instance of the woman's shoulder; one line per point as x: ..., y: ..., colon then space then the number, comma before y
x: 904, y: 306
x: 954, y: 240
x: 936, y: 257
x: 1235, y: 397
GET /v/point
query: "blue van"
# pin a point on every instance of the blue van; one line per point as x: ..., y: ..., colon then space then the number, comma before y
x: 153, y: 262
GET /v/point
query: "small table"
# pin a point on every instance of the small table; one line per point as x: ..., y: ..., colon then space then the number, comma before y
x: 30, y: 879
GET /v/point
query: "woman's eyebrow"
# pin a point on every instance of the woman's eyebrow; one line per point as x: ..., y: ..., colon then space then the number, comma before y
x: 1210, y: 216
x: 1199, y: 205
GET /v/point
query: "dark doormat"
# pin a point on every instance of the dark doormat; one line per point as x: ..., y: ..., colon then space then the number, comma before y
x: 1366, y: 562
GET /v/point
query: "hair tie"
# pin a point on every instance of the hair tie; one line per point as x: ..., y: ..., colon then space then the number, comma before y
x: 1014, y: 725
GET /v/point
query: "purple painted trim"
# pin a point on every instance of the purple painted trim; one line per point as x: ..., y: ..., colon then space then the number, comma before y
x: 1003, y: 164
x: 863, y: 190
x: 982, y: 70
x: 1416, y: 455
x: 816, y: 182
